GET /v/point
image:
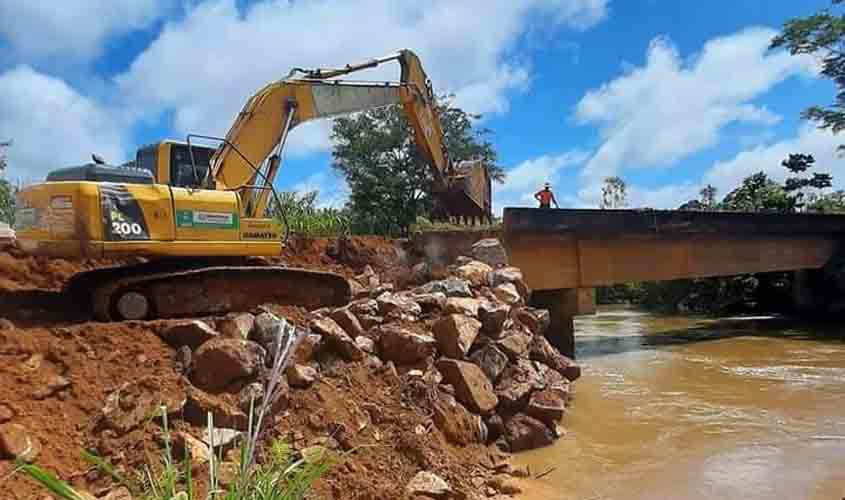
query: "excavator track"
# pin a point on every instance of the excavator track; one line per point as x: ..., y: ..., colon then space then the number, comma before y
x: 175, y: 289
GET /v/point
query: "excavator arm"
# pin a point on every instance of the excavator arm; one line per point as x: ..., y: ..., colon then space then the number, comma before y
x: 250, y: 156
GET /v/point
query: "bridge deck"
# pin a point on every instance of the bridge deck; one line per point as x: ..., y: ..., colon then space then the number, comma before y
x: 565, y: 249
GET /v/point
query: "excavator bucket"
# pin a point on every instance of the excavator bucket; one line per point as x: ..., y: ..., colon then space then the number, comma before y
x: 468, y: 195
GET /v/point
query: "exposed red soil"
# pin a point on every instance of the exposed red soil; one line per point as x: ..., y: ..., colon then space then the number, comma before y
x: 96, y: 359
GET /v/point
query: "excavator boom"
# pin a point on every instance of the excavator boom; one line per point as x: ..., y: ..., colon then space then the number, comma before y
x: 250, y: 155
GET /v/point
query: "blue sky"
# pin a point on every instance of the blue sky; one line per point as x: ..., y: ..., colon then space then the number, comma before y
x: 670, y: 95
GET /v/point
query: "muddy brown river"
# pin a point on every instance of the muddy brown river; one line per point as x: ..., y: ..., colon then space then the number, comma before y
x: 690, y: 408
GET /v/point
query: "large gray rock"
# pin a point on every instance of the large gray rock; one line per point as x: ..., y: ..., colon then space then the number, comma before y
x: 399, y: 306
x: 458, y: 425
x: 491, y: 360
x: 364, y: 307
x: 358, y: 290
x: 549, y: 404
x: 336, y: 339
x: 237, y: 325
x: 221, y: 361
x: 430, y: 302
x: 516, y: 383
x: 451, y: 287
x: 366, y: 344
x: 455, y: 334
x: 191, y: 333
x: 523, y: 432
x: 264, y: 328
x: 404, y: 347
x: 508, y: 294
x: 511, y: 275
x: 348, y: 321
x: 301, y: 376
x: 514, y: 343
x: 492, y: 316
x: 491, y: 252
x: 461, y: 305
x: 129, y: 406
x: 185, y: 444
x: 541, y: 350
x: 17, y: 443
x: 307, y: 348
x: 252, y: 394
x: 420, y: 273
x: 429, y: 485
x: 368, y: 277
x: 536, y: 320
x: 472, y: 387
x: 476, y: 272
x: 199, y: 404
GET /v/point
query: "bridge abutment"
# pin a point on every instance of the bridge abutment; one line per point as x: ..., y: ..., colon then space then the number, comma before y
x: 563, y: 306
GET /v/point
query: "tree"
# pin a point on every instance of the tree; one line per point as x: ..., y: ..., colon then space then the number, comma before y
x: 708, y: 197
x: 827, y: 203
x: 795, y: 186
x: 7, y: 191
x: 614, y: 193
x: 821, y: 35
x: 757, y: 193
x: 389, y: 182
x: 3, y: 159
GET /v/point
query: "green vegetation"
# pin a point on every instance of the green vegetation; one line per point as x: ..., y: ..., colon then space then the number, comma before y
x: 821, y: 35
x: 303, y: 216
x: 7, y: 191
x: 281, y: 475
x: 614, y: 193
x: 389, y: 182
x: 7, y: 202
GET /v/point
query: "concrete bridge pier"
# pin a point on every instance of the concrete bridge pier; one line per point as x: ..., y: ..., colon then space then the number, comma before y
x: 563, y: 305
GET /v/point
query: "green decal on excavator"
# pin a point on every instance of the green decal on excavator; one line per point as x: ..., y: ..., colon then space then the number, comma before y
x: 206, y: 220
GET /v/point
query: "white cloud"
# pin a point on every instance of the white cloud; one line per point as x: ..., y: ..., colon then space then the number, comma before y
x: 52, y: 125
x: 726, y: 175
x: 73, y: 28
x: 663, y: 197
x: 659, y: 113
x: 528, y: 177
x: 203, y: 67
x: 332, y: 189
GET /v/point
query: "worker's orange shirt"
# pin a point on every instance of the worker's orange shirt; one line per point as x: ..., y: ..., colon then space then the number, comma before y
x: 545, y: 197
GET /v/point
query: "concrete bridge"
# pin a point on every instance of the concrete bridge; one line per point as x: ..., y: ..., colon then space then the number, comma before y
x: 565, y: 254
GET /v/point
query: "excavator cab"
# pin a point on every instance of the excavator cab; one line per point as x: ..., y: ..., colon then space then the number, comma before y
x: 174, y: 164
x: 166, y: 162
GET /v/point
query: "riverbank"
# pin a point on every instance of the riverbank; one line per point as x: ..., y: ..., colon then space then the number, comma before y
x: 693, y: 407
x: 418, y: 375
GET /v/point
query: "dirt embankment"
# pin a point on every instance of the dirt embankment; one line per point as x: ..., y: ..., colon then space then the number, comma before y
x: 67, y: 383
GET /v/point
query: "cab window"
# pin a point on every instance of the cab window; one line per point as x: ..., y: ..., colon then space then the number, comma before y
x: 182, y: 172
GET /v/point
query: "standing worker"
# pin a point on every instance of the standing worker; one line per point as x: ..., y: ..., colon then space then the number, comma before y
x: 546, y: 197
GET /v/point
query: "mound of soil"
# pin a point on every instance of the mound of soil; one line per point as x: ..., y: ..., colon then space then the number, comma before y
x: 55, y: 381
x: 59, y: 372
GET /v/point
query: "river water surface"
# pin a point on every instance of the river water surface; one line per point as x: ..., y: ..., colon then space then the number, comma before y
x: 690, y: 408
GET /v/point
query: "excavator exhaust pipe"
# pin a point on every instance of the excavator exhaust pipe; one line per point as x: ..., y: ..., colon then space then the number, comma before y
x: 467, y: 197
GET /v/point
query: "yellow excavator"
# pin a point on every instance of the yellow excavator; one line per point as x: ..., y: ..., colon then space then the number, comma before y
x: 199, y: 214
